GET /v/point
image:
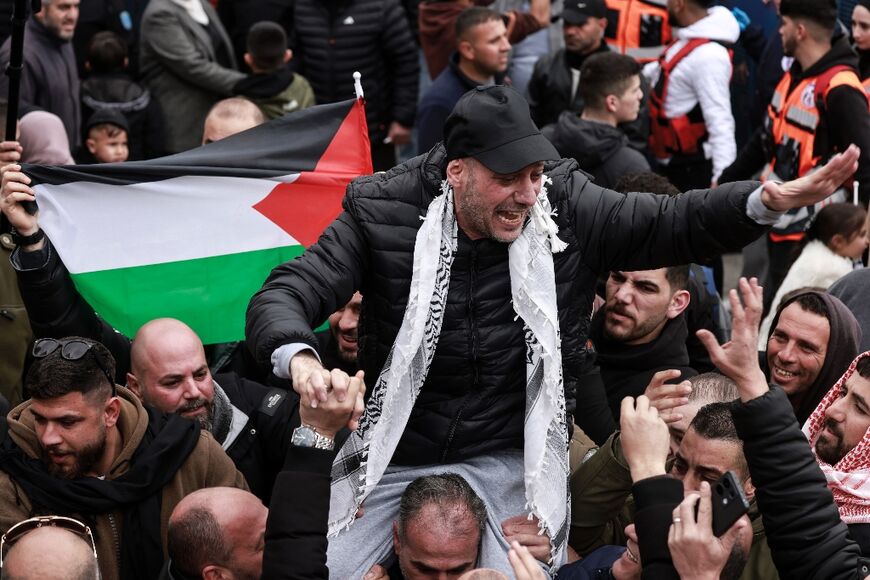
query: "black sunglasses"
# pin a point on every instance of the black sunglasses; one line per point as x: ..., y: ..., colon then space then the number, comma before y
x: 71, y: 349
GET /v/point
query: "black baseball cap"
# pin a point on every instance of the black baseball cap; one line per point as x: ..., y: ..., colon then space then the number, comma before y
x: 493, y: 125
x: 579, y: 11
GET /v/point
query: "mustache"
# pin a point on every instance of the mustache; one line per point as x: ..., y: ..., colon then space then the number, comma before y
x: 834, y: 428
x: 193, y: 405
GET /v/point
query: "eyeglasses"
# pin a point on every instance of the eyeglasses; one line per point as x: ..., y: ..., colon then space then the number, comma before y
x: 20, y: 529
x: 71, y: 349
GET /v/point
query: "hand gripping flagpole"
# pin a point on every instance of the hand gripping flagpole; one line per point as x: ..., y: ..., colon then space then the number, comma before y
x: 357, y: 85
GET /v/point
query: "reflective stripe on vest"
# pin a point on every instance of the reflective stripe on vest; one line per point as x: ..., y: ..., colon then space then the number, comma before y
x: 793, y: 118
x: 638, y: 28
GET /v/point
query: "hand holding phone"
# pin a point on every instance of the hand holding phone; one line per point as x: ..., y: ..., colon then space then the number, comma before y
x: 695, y: 551
x: 729, y: 503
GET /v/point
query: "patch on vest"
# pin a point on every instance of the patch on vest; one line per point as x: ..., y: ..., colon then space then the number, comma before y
x: 272, y: 401
x: 808, y: 97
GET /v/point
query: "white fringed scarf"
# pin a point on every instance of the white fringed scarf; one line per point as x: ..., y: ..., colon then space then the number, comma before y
x: 365, y: 456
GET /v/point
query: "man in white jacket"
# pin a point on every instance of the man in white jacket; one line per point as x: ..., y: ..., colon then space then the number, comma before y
x: 692, y: 128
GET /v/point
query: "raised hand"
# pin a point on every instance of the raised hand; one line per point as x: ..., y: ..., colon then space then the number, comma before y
x: 14, y: 189
x: 697, y: 553
x: 332, y: 415
x: 644, y: 438
x: 523, y: 530
x: 524, y: 564
x: 812, y: 187
x: 666, y: 397
x: 738, y: 358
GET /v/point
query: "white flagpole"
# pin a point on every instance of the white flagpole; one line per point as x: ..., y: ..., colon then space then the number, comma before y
x: 357, y: 85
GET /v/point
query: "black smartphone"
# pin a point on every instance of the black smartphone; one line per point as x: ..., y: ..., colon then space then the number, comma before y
x: 729, y: 502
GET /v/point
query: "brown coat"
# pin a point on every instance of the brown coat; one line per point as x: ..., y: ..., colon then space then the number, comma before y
x: 207, y: 466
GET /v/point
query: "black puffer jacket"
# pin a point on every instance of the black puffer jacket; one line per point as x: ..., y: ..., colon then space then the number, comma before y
x: 334, y: 38
x: 807, y: 538
x: 473, y: 400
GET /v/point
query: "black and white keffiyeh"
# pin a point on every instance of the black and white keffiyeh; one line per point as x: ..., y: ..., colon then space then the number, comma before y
x: 365, y: 456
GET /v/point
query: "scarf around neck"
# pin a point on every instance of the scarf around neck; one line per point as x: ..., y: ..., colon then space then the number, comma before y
x: 363, y: 459
x: 849, y: 479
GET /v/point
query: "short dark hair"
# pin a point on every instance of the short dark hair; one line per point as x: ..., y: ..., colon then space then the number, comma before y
x: 863, y: 367
x: 196, y: 540
x: 445, y: 490
x: 811, y: 302
x: 646, y: 181
x: 677, y: 277
x: 106, y: 52
x: 267, y: 43
x: 604, y: 74
x: 715, y: 421
x: 821, y: 12
x: 54, y: 376
x: 471, y: 17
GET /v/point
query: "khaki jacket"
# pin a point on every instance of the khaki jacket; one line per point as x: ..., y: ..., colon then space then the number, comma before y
x: 601, y: 507
x: 207, y: 466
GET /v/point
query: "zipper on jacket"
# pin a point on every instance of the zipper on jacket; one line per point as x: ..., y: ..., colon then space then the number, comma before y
x: 116, y: 541
x: 475, y: 349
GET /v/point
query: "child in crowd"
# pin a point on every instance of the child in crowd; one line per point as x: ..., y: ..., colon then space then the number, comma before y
x: 106, y: 138
x: 109, y: 86
x: 835, y: 240
x: 275, y: 89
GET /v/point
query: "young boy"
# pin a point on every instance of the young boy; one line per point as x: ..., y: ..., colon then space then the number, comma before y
x: 106, y: 140
x: 275, y: 89
x: 110, y: 86
x: 611, y: 90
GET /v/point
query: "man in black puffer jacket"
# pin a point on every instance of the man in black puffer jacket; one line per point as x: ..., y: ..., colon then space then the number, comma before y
x: 333, y: 38
x: 473, y: 400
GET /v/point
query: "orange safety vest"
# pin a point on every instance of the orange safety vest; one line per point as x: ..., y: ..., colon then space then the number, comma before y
x: 681, y: 135
x: 792, y: 120
x: 638, y: 28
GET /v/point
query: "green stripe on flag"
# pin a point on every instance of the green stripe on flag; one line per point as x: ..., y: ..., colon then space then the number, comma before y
x: 209, y: 294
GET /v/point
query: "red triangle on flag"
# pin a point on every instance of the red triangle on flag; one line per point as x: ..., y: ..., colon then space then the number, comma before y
x: 307, y: 206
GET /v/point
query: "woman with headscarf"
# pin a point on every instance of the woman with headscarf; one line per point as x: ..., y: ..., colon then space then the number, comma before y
x: 44, y: 140
x: 791, y: 349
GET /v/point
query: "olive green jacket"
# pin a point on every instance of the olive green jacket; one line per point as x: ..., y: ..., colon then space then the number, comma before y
x: 602, y: 506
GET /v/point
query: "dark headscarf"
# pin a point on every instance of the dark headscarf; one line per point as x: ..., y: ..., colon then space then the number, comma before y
x: 842, y: 349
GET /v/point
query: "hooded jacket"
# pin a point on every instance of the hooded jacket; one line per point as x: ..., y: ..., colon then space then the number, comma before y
x: 599, y: 149
x: 121, y: 93
x: 276, y: 93
x: 473, y: 399
x: 703, y: 78
x: 851, y: 289
x: 206, y: 466
x: 843, y: 121
x: 627, y: 369
x: 550, y: 93
x: 842, y: 349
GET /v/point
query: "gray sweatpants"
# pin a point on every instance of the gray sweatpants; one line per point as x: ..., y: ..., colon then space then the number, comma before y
x: 496, y: 478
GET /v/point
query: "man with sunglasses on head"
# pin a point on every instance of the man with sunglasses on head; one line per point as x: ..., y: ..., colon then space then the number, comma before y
x: 54, y: 547
x: 86, y: 448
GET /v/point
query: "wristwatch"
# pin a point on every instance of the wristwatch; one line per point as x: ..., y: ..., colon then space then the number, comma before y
x: 307, y: 436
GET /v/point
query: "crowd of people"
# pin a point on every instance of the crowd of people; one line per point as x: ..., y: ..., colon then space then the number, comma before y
x: 527, y: 366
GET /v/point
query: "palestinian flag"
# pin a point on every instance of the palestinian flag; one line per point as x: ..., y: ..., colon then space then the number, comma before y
x: 192, y: 236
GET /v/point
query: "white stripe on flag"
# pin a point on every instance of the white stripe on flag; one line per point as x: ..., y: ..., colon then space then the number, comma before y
x: 102, y: 227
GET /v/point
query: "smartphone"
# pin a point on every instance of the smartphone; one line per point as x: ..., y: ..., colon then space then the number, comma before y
x: 729, y: 502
